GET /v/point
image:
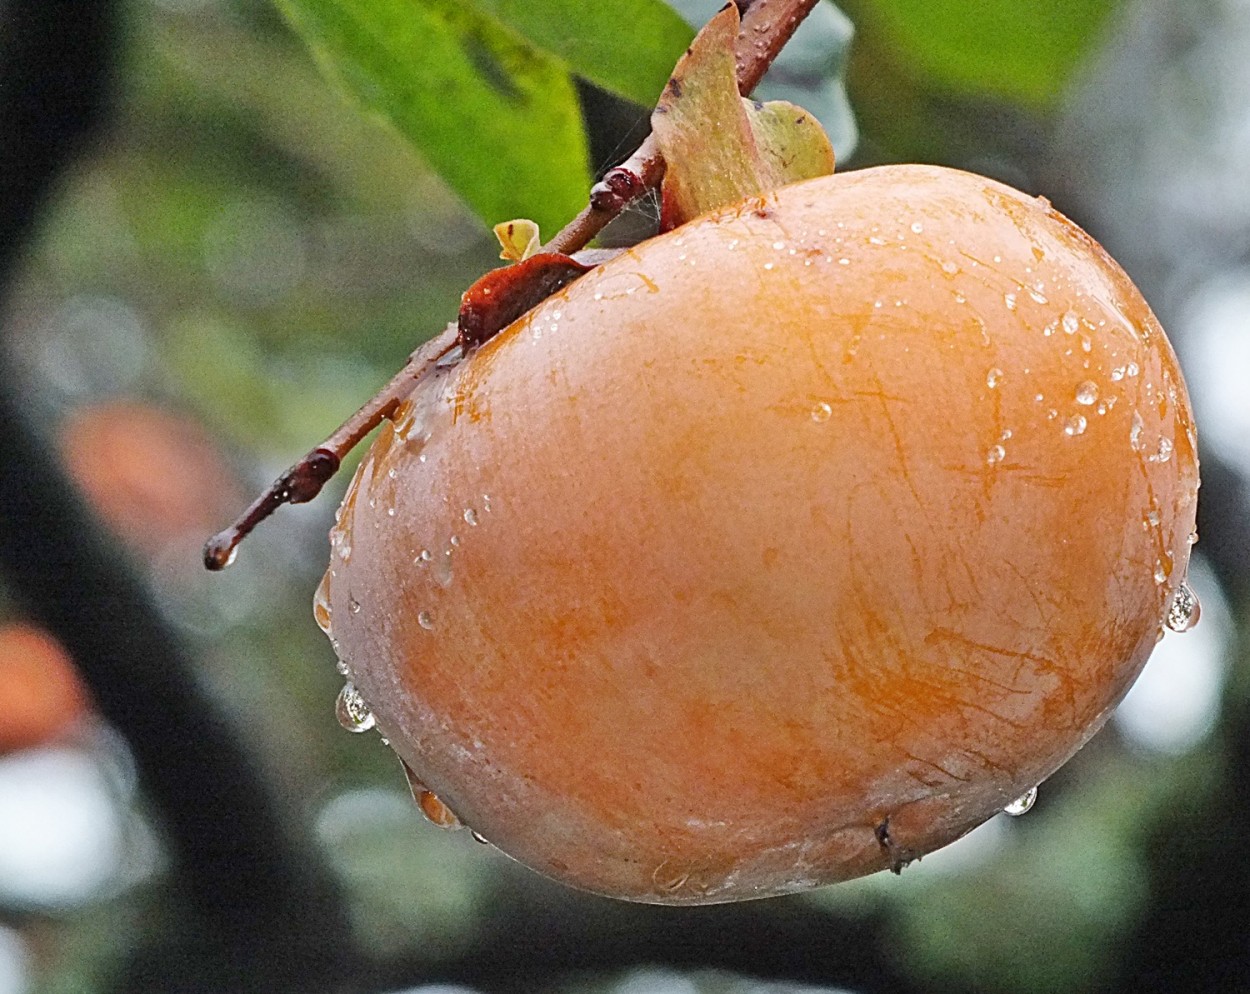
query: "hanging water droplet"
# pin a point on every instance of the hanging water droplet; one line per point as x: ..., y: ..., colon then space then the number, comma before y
x: 1184, y: 611
x: 231, y: 556
x: 1087, y: 392
x: 426, y: 621
x: 351, y: 710
x: 321, y: 604
x: 992, y: 377
x: 437, y: 812
x: 1022, y: 804
x: 821, y: 412
x: 1075, y: 425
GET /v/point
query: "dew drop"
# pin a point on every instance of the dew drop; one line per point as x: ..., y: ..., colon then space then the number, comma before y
x: 470, y: 516
x: 1131, y: 369
x: 1087, y: 393
x: 1165, y: 451
x: 424, y: 558
x: 1022, y: 804
x: 996, y: 454
x: 950, y: 267
x: 821, y: 412
x: 1039, y: 297
x: 992, y: 377
x: 479, y: 838
x: 321, y: 604
x: 1075, y: 425
x: 351, y: 710
x: 1071, y: 322
x: 1010, y: 300
x: 340, y: 544
x: 844, y: 261
x: 1134, y: 433
x: 917, y: 227
x: 1184, y: 611
x: 426, y: 621
x: 436, y: 811
x: 353, y: 605
x: 1160, y: 574
x: 768, y: 265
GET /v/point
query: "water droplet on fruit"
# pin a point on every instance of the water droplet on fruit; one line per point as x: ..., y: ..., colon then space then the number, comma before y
x: 340, y: 665
x: 353, y: 605
x: 1164, y: 452
x: 321, y: 604
x: 1071, y: 322
x: 1087, y: 392
x: 1022, y: 804
x: 1075, y: 425
x: 351, y: 710
x: 424, y: 557
x: 470, y: 516
x: 436, y: 811
x: 996, y: 454
x: 341, y: 544
x: 426, y: 621
x: 917, y: 227
x: 821, y: 412
x: 1184, y: 612
x: 1160, y: 574
x: 1039, y: 297
x: 479, y: 838
x: 1134, y: 433
x: 950, y: 267
x: 1010, y: 300
x: 992, y: 377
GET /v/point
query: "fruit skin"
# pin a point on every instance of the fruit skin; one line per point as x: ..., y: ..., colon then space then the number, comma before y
x: 787, y: 524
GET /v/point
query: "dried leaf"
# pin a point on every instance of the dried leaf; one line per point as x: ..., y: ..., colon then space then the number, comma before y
x: 518, y: 239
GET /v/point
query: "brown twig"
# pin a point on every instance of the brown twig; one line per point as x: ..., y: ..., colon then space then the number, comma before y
x: 766, y: 27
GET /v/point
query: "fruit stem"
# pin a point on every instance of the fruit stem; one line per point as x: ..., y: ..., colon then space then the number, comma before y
x: 766, y: 27
x: 303, y: 481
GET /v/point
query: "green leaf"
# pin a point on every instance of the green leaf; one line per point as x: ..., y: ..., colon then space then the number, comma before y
x: 497, y: 117
x: 1020, y: 52
x: 628, y: 46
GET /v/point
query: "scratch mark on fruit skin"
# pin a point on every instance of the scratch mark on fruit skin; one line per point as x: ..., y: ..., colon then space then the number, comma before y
x: 950, y: 635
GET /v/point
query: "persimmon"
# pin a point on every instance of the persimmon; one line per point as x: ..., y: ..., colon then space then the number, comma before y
x: 785, y: 547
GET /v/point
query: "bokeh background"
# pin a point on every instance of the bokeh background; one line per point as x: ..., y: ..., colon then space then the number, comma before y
x: 209, y: 257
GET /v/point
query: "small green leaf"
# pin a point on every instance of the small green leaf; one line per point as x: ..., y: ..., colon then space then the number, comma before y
x: 702, y: 129
x: 628, y: 46
x: 791, y: 143
x: 497, y: 117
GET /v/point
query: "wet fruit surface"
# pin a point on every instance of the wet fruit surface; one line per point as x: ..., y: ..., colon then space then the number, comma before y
x: 783, y: 548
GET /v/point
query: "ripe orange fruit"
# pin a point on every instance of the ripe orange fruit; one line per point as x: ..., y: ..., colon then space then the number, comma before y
x: 785, y: 547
